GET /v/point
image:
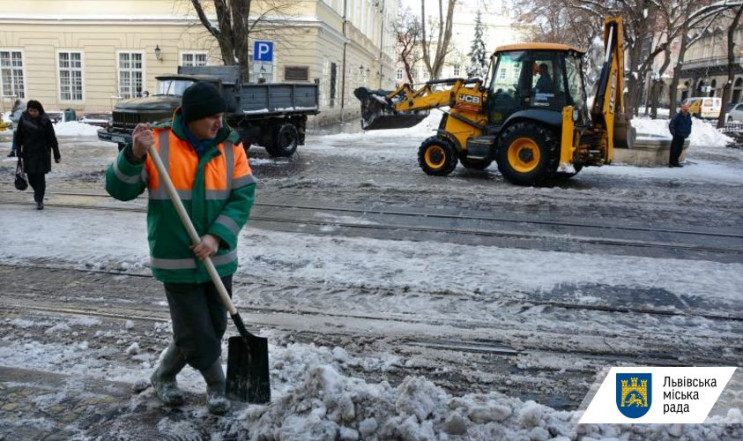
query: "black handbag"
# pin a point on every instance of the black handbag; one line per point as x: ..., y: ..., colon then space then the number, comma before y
x: 20, y: 178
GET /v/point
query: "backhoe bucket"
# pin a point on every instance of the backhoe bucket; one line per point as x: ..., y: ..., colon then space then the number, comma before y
x: 624, y: 134
x: 377, y: 113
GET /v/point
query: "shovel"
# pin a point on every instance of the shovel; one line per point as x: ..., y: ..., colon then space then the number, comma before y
x: 247, y: 357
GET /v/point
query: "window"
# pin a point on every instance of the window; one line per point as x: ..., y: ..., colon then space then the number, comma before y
x: 456, y: 70
x: 130, y: 74
x: 398, y: 75
x: 70, y: 76
x: 11, y: 74
x: 502, y: 74
x: 296, y: 73
x: 193, y: 59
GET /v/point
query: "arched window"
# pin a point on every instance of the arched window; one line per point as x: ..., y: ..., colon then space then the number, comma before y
x: 685, y: 93
x: 737, y: 90
x: 699, y: 88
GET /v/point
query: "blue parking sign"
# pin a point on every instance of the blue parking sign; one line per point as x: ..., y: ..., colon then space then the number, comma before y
x: 263, y: 50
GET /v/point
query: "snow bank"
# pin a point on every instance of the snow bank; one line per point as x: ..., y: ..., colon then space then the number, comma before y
x: 74, y: 128
x: 703, y: 134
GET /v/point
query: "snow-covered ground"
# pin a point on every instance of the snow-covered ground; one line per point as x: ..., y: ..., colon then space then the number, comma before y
x: 315, y: 398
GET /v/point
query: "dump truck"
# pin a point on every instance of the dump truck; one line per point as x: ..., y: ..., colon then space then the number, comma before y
x: 272, y: 115
x: 532, y: 117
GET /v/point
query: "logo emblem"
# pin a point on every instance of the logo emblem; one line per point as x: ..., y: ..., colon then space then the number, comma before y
x: 634, y: 394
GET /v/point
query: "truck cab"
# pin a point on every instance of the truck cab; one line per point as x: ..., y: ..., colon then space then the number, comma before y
x: 155, y: 108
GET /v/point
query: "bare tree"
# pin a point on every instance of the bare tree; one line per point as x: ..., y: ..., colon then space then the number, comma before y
x: 234, y: 25
x: 649, y: 28
x: 727, y: 90
x: 557, y: 21
x: 644, y: 20
x: 408, y: 33
x: 442, y: 35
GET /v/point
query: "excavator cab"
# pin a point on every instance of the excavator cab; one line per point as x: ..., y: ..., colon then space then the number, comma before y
x: 535, y: 77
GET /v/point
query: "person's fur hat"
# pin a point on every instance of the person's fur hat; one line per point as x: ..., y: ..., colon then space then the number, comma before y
x: 200, y: 100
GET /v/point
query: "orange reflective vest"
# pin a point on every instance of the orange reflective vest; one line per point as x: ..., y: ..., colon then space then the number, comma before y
x: 217, y: 190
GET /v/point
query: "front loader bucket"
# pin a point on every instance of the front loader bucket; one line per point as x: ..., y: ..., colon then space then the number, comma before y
x: 624, y: 133
x: 377, y: 113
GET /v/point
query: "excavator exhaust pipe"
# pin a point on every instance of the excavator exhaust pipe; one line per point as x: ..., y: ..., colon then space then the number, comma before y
x: 377, y: 113
x: 624, y: 134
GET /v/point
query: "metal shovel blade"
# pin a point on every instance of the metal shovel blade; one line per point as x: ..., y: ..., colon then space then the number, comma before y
x: 382, y: 121
x: 247, y: 369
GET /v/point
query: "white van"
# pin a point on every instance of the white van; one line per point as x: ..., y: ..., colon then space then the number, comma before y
x: 704, y: 106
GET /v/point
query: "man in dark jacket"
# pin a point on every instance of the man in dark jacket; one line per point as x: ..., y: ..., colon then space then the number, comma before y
x: 680, y: 127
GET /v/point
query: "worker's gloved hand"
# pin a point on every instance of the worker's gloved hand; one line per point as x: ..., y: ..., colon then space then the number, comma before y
x: 207, y: 247
x: 143, y: 139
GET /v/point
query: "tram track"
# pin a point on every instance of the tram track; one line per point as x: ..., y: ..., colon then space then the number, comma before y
x: 725, y: 245
x: 722, y: 313
x: 431, y: 215
x: 128, y: 304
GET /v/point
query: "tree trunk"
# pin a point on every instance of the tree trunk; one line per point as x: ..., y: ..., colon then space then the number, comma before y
x: 424, y: 40
x: 673, y: 92
x: 727, y: 89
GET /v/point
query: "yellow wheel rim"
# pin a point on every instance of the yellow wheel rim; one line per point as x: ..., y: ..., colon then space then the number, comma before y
x: 523, y: 155
x: 435, y: 157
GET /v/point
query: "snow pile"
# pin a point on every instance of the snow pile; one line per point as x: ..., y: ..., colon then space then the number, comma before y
x: 423, y: 129
x: 327, y: 405
x: 74, y: 128
x: 703, y: 134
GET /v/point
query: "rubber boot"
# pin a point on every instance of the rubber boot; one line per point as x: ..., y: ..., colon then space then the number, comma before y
x: 163, y: 379
x: 216, y: 398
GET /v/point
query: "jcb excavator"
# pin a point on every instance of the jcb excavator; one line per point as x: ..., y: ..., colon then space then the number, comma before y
x: 532, y: 119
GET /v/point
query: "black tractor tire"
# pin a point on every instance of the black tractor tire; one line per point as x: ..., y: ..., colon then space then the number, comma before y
x: 471, y: 164
x: 437, y: 156
x: 527, y: 154
x: 285, y: 140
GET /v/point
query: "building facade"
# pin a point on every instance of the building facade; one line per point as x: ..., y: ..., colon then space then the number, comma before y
x: 88, y: 54
x: 704, y: 72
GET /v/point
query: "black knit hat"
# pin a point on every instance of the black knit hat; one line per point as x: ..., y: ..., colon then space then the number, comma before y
x: 200, y: 100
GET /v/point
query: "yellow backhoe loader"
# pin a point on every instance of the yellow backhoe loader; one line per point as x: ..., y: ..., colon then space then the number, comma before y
x: 532, y: 118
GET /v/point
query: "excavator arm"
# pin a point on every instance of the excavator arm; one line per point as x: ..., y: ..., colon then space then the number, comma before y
x: 608, y: 113
x: 406, y: 107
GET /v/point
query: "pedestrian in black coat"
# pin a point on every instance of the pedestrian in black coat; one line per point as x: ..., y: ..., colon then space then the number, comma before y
x: 36, y: 141
x: 680, y: 128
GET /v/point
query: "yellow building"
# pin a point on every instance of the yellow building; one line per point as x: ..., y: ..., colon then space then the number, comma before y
x: 87, y: 54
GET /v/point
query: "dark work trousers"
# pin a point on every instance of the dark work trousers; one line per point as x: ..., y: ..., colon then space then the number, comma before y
x: 677, y: 145
x: 199, y: 320
x: 37, y: 181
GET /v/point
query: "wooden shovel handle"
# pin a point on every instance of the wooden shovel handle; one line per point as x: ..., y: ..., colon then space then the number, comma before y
x: 165, y: 179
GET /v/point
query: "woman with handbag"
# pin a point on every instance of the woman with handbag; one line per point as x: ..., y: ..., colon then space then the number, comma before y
x: 36, y: 141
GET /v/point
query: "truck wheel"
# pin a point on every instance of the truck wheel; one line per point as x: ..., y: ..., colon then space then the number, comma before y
x: 475, y: 165
x: 437, y: 157
x: 285, y: 140
x: 527, y: 154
